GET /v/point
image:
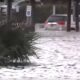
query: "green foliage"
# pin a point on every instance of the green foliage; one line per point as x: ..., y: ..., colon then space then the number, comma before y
x: 42, y: 12
x: 61, y: 8
x: 16, y: 45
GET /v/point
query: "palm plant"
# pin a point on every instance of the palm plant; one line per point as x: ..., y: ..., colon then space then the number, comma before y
x: 16, y: 45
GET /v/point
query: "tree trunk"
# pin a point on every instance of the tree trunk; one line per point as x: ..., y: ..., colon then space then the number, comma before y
x: 33, y: 14
x: 69, y: 16
x: 77, y: 15
x: 9, y: 6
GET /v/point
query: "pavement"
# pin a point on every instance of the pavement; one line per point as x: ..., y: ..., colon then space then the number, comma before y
x: 59, y: 58
x: 54, y: 33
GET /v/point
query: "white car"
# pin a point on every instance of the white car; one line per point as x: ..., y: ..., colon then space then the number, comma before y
x: 59, y: 22
x: 55, y: 22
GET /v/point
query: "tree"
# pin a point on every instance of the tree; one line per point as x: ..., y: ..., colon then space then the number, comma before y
x: 16, y: 41
x: 69, y: 15
x: 9, y: 6
x: 77, y: 15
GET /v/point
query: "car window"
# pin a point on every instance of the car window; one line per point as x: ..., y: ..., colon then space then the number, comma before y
x: 56, y: 18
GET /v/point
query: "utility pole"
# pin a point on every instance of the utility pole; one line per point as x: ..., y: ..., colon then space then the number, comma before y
x: 54, y: 6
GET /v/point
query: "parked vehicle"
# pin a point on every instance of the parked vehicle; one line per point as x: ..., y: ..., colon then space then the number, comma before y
x: 55, y: 22
x: 59, y: 22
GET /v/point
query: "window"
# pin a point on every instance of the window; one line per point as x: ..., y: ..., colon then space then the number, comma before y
x: 56, y: 18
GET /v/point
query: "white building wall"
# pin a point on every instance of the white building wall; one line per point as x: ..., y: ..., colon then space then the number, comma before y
x: 18, y: 0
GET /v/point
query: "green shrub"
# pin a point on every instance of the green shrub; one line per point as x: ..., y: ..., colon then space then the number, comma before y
x: 16, y: 45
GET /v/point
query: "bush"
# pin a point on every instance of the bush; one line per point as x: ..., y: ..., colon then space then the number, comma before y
x: 16, y: 45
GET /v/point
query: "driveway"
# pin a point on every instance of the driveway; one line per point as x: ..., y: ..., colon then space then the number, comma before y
x: 59, y: 59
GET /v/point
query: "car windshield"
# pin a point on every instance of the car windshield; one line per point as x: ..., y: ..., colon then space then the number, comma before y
x: 57, y: 18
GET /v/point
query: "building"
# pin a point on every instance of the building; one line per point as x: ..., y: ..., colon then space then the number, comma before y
x: 4, y: 1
